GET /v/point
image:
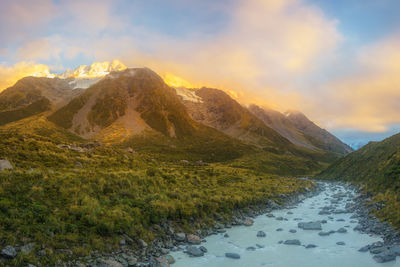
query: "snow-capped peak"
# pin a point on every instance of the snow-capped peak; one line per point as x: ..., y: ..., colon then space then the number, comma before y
x: 96, y: 70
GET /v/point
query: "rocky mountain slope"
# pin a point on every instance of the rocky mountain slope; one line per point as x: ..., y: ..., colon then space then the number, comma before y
x: 296, y: 127
x: 126, y: 103
x: 33, y: 95
x: 319, y: 137
x: 218, y: 110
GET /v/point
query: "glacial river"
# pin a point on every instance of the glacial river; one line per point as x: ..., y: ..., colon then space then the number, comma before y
x: 271, y: 253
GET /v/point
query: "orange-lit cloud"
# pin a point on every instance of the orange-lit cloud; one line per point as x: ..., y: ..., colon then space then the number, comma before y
x: 269, y: 52
x: 9, y: 75
x: 370, y: 98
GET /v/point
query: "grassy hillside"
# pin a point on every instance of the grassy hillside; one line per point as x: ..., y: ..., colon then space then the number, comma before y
x: 377, y: 166
x: 84, y: 196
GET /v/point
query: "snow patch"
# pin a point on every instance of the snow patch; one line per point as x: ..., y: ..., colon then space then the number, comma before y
x: 188, y: 94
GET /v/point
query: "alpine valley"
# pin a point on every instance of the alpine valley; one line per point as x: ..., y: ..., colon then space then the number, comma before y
x: 108, y: 159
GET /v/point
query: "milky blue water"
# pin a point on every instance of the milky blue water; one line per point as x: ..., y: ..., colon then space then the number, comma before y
x: 326, y: 254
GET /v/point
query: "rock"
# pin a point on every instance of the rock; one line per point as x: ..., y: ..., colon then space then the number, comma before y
x: 164, y: 251
x: 311, y: 246
x: 226, y: 235
x: 5, y: 165
x: 340, y: 220
x: 169, y: 259
x: 395, y: 250
x: 193, y: 239
x: 384, y: 257
x: 323, y: 233
x: 292, y: 242
x: 180, y: 237
x: 292, y: 231
x: 340, y: 243
x: 310, y: 225
x: 261, y: 234
x: 250, y: 248
x: 158, y: 262
x: 108, y: 263
x: 259, y: 246
x: 377, y: 250
x: 324, y: 212
x: 203, y: 249
x: 8, y: 252
x: 324, y: 221
x: 270, y: 215
x: 280, y: 218
x: 342, y: 230
x: 289, y: 212
x: 142, y: 243
x: 279, y: 230
x: 194, y: 251
x: 364, y: 249
x: 232, y: 255
x: 131, y: 261
x: 42, y: 253
x: 248, y: 222
x: 27, y: 248
x: 272, y: 204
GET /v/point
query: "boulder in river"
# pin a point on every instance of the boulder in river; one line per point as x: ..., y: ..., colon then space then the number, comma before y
x: 193, y: 239
x: 232, y: 255
x: 248, y: 222
x: 194, y: 251
x: 292, y: 231
x: 292, y: 242
x: 340, y: 243
x: 203, y: 249
x: 364, y: 248
x: 384, y: 257
x: 342, y: 230
x: 309, y: 225
x: 261, y: 234
x: 169, y: 259
x: 159, y: 262
x: 323, y: 233
x: 250, y: 248
x: 311, y: 246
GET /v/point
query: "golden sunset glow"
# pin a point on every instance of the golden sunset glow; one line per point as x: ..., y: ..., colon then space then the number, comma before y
x: 175, y: 81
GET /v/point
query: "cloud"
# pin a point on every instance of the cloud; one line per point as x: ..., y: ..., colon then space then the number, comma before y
x: 367, y: 99
x: 9, y: 75
x: 279, y: 53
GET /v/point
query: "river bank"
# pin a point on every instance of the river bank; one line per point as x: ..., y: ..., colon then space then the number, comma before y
x: 343, y: 233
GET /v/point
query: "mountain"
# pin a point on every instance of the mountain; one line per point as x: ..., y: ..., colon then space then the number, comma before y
x: 376, y: 167
x: 84, y: 76
x: 216, y: 109
x: 135, y: 108
x: 33, y: 95
x: 296, y: 127
x: 282, y: 125
x: 376, y: 164
x: 319, y: 137
x: 126, y: 103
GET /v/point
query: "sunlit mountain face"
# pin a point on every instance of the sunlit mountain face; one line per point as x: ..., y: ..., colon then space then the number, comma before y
x: 96, y: 70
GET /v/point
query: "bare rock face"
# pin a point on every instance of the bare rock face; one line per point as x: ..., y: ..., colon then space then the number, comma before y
x: 5, y: 164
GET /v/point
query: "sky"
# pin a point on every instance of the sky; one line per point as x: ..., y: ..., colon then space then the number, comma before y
x: 336, y: 61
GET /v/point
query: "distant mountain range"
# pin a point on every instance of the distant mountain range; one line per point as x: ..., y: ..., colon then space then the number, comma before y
x: 122, y: 103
